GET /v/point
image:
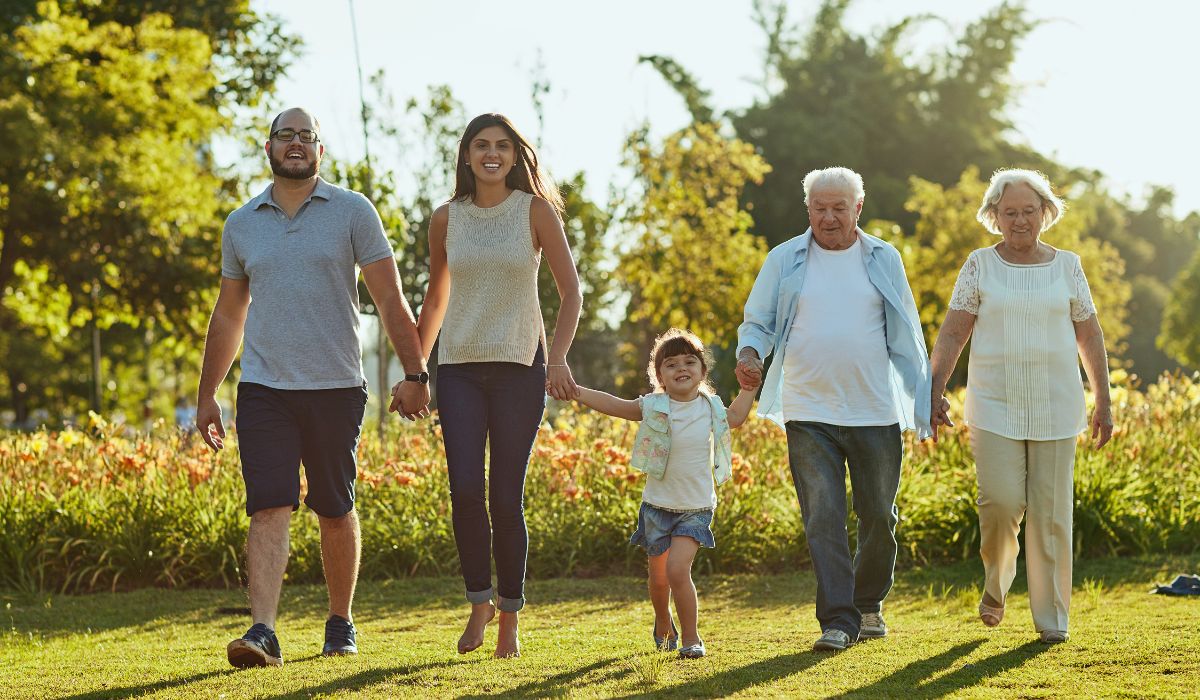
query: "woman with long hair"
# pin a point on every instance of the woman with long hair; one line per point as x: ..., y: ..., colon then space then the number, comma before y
x: 494, y: 367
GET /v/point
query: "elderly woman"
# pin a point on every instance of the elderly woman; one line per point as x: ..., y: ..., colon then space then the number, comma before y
x: 1030, y: 309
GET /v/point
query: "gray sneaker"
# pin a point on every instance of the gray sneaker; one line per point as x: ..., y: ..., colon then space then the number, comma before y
x: 832, y: 640
x: 1054, y: 636
x: 873, y: 626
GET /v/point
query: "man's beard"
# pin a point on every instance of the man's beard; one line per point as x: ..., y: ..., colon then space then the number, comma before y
x: 277, y: 168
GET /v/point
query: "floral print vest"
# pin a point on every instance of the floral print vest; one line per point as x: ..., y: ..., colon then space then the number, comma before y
x: 652, y: 444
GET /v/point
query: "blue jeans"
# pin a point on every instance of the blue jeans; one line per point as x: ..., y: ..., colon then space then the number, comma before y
x: 499, y: 404
x: 819, y: 454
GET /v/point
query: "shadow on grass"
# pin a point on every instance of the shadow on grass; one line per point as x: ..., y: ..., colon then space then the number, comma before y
x: 363, y: 679
x: 138, y: 690
x: 556, y: 685
x: 737, y: 679
x: 913, y: 681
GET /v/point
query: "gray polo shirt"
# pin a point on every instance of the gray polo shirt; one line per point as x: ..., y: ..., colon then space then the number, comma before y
x: 302, y: 325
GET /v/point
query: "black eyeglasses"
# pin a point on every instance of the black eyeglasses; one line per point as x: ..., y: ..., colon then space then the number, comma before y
x: 289, y: 135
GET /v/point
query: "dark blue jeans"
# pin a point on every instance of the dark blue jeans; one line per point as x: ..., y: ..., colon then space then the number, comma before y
x: 499, y: 404
x: 819, y: 454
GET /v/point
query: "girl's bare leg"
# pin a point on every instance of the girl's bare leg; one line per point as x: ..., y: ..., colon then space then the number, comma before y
x: 679, y: 573
x: 660, y: 595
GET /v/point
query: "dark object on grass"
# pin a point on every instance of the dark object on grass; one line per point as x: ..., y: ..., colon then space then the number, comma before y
x: 1182, y: 585
x: 233, y: 611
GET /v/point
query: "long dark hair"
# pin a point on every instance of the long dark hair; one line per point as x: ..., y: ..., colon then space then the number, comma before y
x: 524, y: 176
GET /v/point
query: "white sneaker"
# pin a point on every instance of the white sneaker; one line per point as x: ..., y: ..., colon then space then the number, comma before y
x: 832, y: 640
x: 873, y: 625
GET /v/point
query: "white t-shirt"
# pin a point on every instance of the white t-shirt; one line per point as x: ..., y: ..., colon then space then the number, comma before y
x: 687, y: 483
x: 835, y: 365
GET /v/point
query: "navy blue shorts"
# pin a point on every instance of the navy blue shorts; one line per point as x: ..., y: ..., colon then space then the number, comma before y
x: 279, y: 429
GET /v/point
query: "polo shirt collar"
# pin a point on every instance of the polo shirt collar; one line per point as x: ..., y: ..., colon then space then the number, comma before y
x: 323, y: 190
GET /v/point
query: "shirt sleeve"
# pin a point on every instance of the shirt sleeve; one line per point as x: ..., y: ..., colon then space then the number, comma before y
x: 966, y: 287
x: 367, y: 236
x: 1082, y: 306
x: 758, y: 329
x: 232, y: 266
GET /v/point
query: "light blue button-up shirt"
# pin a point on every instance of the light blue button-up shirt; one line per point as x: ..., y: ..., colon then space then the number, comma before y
x: 772, y: 307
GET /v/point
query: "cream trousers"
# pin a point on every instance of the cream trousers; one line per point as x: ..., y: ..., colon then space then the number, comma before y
x: 1031, y: 478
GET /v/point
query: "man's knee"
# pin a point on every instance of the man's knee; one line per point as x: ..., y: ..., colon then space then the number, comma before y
x: 268, y: 517
x: 824, y: 511
x: 877, y: 514
x: 341, y: 522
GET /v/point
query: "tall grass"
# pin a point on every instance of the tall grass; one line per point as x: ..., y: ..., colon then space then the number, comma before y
x: 95, y: 509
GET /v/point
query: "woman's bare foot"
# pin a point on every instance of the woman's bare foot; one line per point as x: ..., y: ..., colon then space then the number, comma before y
x: 508, y: 643
x: 472, y: 636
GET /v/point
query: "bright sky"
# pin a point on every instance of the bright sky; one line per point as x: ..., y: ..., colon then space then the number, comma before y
x: 1107, y: 85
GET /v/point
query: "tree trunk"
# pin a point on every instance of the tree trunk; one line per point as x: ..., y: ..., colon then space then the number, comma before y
x: 20, y: 396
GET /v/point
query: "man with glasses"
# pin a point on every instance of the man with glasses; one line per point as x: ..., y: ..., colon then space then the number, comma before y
x: 289, y: 285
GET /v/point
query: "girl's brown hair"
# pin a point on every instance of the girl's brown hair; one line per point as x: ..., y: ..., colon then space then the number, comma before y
x: 678, y: 341
x: 525, y: 174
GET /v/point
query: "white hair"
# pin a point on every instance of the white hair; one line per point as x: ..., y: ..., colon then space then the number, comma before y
x: 1052, y: 206
x: 838, y: 178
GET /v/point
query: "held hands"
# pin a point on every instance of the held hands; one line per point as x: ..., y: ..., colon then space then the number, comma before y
x: 410, y: 399
x: 749, y: 369
x: 560, y: 384
x: 939, y: 413
x: 208, y: 422
x: 1102, y: 424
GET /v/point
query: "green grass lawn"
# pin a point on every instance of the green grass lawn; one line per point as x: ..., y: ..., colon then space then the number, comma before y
x: 590, y: 638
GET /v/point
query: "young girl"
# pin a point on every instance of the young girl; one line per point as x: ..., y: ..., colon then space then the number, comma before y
x: 676, y: 448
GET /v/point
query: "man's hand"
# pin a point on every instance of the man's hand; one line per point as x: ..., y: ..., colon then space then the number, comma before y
x: 749, y: 369
x: 208, y: 422
x: 410, y: 399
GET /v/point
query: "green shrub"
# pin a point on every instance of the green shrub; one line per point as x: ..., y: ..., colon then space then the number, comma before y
x: 94, y: 509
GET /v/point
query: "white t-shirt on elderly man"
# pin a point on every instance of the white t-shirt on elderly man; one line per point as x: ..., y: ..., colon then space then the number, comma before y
x: 835, y: 365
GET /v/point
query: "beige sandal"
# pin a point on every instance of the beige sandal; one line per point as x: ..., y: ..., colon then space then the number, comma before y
x: 989, y: 615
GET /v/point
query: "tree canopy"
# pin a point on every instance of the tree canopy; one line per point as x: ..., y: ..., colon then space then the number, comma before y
x: 112, y: 204
x: 693, y: 256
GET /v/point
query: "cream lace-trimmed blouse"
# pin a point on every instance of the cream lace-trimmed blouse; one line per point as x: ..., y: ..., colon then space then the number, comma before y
x: 1023, y: 379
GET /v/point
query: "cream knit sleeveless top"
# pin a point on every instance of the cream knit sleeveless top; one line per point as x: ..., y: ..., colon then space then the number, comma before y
x: 493, y: 314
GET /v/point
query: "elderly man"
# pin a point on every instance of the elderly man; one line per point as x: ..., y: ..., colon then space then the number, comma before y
x: 850, y: 371
x: 289, y: 282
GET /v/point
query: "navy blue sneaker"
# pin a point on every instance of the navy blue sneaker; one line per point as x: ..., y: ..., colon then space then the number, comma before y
x: 339, y: 637
x: 258, y: 647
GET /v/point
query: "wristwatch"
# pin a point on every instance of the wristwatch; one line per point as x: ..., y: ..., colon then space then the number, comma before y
x: 420, y: 377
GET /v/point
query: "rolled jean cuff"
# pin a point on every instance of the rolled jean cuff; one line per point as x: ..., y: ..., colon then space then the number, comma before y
x: 510, y: 605
x: 478, y: 597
